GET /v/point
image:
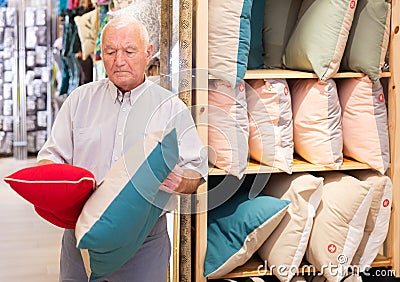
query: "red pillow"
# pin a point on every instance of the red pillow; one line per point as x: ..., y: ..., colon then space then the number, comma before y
x: 57, y: 191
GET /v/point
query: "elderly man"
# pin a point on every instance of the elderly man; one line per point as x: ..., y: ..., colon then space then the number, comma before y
x: 100, y: 120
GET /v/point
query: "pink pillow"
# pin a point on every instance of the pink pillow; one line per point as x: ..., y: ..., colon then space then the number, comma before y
x: 228, y: 127
x: 364, y: 121
x: 317, y: 128
x: 270, y: 117
x: 57, y: 191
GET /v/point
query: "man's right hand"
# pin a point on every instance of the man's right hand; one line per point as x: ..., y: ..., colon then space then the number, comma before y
x: 44, y: 162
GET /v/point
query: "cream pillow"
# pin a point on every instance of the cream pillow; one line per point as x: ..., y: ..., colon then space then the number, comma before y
x: 86, y: 25
x: 364, y: 122
x: 317, y: 127
x: 377, y: 224
x: 229, y: 36
x: 339, y: 223
x: 288, y: 242
x: 271, y: 125
x: 228, y: 127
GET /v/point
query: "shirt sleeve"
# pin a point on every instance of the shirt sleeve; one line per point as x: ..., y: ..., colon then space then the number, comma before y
x: 192, y: 153
x: 59, y: 146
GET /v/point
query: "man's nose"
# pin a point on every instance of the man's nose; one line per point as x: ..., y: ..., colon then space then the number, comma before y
x: 119, y: 58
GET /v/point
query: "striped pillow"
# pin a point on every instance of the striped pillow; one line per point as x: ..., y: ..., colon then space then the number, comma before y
x: 120, y: 214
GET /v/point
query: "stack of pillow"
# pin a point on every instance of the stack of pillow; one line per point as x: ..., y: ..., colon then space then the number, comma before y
x: 252, y: 30
x: 302, y: 216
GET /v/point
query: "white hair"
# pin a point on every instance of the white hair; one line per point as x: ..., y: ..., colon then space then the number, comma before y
x: 119, y: 20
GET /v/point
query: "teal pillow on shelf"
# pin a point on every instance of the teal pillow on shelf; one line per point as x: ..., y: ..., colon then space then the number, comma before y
x: 236, y: 230
x: 120, y: 214
x: 256, y: 51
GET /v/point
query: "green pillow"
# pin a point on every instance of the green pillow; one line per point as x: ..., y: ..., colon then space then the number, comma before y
x: 236, y: 230
x: 318, y: 41
x: 279, y: 21
x: 368, y: 39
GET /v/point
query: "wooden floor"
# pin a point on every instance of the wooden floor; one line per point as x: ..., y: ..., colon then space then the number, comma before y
x: 29, y: 246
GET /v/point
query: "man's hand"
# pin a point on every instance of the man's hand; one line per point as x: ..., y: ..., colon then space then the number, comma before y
x: 44, y: 162
x: 181, y: 181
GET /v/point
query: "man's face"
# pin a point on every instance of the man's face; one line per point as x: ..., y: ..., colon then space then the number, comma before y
x: 125, y: 56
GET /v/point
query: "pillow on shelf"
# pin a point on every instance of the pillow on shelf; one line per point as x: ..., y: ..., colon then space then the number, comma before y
x: 228, y: 127
x: 318, y: 41
x: 279, y: 21
x: 120, y: 214
x: 368, y: 39
x: 86, y: 25
x: 288, y: 242
x: 377, y: 225
x: 339, y: 223
x: 270, y: 123
x: 149, y: 13
x: 57, y: 191
x: 229, y: 39
x: 255, y: 60
x: 317, y: 128
x: 364, y: 122
x: 120, y: 4
x: 237, y: 228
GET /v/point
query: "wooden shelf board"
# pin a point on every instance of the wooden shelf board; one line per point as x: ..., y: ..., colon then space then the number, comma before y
x: 290, y: 74
x: 299, y: 165
x: 256, y: 74
x: 255, y: 267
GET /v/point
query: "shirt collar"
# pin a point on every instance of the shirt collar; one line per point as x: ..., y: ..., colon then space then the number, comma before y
x: 132, y: 95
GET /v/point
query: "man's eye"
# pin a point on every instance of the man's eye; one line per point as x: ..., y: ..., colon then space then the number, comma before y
x: 110, y: 53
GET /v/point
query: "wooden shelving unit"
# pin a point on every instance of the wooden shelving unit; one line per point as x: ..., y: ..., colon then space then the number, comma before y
x: 392, y: 247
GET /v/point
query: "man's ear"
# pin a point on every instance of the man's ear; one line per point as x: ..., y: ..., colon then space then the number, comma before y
x: 149, y: 52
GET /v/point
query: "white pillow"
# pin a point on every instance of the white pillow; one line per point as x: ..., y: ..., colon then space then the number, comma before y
x: 270, y: 123
x: 377, y: 225
x: 317, y: 127
x: 364, y: 122
x: 86, y: 25
x: 339, y: 223
x: 288, y: 242
x: 228, y: 127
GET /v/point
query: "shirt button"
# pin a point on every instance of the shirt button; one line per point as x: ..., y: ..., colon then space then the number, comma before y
x: 115, y: 158
x: 119, y: 133
x: 123, y: 109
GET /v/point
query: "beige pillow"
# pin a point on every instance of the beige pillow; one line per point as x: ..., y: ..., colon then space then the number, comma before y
x: 364, y: 122
x: 339, y: 223
x: 317, y: 128
x: 288, y: 242
x: 377, y: 224
x: 228, y: 127
x: 271, y: 125
x: 86, y: 25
